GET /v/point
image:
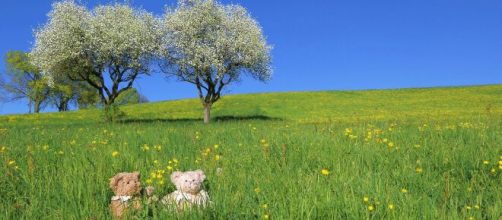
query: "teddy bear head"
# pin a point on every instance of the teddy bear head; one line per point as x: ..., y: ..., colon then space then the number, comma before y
x: 188, y: 182
x: 126, y: 184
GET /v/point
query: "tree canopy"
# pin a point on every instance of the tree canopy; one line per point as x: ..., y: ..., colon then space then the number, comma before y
x: 131, y: 96
x: 107, y: 47
x: 23, y: 80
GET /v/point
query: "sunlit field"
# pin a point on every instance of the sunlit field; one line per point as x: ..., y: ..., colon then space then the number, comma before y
x: 382, y: 154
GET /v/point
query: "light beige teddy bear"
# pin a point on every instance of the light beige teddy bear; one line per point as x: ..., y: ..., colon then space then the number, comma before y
x: 189, y: 192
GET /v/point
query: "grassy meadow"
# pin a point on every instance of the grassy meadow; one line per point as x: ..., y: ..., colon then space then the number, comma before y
x: 432, y: 153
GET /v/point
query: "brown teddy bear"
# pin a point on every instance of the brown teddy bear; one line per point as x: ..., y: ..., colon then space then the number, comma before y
x: 188, y: 192
x: 127, y: 188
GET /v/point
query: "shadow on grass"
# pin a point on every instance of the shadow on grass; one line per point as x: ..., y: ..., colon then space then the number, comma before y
x: 217, y: 118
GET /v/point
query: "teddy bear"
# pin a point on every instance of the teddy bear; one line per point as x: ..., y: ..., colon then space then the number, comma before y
x: 189, y: 192
x: 127, y: 188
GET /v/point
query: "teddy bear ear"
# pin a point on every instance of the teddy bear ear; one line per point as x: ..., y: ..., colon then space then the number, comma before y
x: 201, y: 174
x: 175, y: 176
x: 137, y: 174
x: 114, y: 181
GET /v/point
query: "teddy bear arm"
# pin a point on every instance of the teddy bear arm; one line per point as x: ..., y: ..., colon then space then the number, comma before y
x: 203, y: 198
x: 136, y: 204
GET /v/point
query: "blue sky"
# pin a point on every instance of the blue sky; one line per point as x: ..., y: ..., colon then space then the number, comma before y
x: 331, y: 45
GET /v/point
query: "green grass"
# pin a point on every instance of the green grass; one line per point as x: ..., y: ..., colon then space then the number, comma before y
x: 272, y: 148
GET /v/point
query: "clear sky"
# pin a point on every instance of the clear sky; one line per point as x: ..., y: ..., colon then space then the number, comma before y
x: 330, y: 44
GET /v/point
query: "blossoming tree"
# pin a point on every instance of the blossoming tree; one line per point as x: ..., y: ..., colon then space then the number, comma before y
x: 107, y: 47
x: 211, y: 45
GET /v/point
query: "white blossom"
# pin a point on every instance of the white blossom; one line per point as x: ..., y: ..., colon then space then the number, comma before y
x: 205, y: 35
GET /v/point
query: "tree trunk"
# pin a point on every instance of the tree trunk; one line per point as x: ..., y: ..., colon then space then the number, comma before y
x: 37, y: 106
x: 30, y: 103
x: 207, y: 113
x: 63, y: 106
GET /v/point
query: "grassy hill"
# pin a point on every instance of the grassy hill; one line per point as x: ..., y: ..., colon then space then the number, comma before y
x: 432, y: 153
x: 323, y: 106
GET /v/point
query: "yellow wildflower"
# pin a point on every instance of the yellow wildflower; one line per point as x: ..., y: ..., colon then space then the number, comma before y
x: 115, y: 153
x: 403, y: 190
x: 257, y: 190
x: 169, y: 168
x: 266, y: 216
x: 157, y: 147
x: 149, y: 181
x: 371, y: 208
x: 146, y: 147
x: 366, y: 199
x: 348, y: 131
x: 265, y: 206
x: 391, y: 206
x: 486, y: 162
x: 11, y: 162
x: 325, y: 172
x: 217, y: 157
x: 419, y: 170
x: 216, y: 146
x: 390, y: 144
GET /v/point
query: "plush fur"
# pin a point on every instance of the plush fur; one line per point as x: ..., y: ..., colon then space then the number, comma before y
x: 126, y: 187
x: 188, y: 192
